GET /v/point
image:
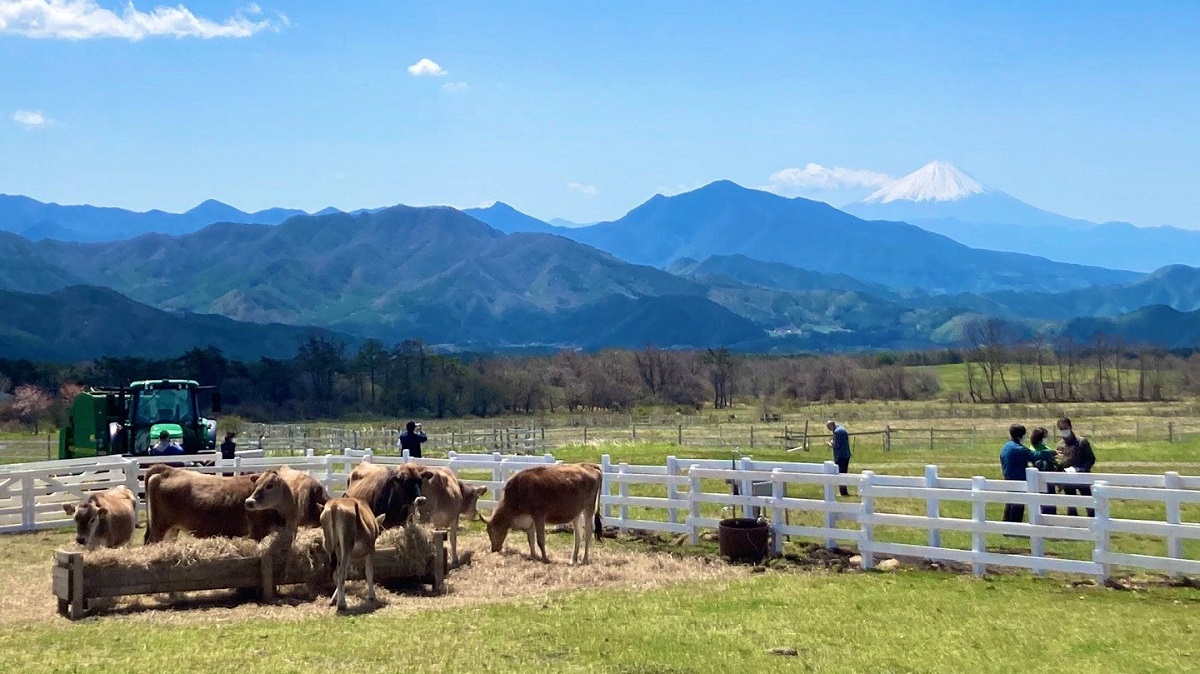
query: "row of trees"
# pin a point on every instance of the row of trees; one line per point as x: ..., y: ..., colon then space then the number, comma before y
x: 999, y: 368
x: 325, y: 380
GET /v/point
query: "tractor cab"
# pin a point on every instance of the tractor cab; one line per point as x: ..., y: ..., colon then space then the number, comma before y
x: 129, y: 420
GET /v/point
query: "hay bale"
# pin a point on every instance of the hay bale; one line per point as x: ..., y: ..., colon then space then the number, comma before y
x: 407, y: 549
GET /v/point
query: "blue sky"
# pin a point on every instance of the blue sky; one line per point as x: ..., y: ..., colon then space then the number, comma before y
x: 583, y: 110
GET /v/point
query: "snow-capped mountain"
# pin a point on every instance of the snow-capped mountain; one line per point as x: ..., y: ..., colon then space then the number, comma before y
x: 935, y: 181
x: 943, y: 198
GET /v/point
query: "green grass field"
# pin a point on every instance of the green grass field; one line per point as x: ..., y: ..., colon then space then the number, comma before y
x: 654, y: 607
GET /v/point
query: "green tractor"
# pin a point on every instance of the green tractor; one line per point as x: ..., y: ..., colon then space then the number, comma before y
x: 128, y: 420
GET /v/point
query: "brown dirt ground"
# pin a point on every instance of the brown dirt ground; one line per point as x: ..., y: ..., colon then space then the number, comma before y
x: 483, y: 577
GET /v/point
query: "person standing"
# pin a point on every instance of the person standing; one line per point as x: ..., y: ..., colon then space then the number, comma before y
x: 411, y: 439
x: 1044, y: 461
x: 840, y: 443
x: 1075, y: 456
x: 1014, y: 459
x: 229, y: 447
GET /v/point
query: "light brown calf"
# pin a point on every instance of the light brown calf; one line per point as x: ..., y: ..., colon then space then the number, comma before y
x: 296, y: 496
x: 554, y: 494
x: 105, y: 519
x: 446, y: 499
x: 350, y: 530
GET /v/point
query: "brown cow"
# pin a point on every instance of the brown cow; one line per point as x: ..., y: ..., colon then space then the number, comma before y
x: 297, y: 496
x: 105, y: 519
x: 350, y: 531
x: 447, y: 498
x: 387, y: 490
x: 556, y: 494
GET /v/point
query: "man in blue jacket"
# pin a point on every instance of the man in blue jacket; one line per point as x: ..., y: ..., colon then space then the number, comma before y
x: 1014, y: 458
x: 840, y: 442
x: 411, y: 439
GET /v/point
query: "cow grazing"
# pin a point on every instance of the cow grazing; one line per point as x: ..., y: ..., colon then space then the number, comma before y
x: 296, y: 496
x: 350, y: 530
x: 554, y: 494
x: 446, y: 499
x: 387, y: 490
x: 208, y: 506
x: 105, y: 519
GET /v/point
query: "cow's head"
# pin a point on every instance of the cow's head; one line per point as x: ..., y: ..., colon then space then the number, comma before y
x: 271, y: 492
x: 471, y: 496
x: 497, y: 529
x: 89, y: 518
x: 400, y: 494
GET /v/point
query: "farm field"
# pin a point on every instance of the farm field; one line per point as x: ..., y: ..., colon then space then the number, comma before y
x: 627, y: 612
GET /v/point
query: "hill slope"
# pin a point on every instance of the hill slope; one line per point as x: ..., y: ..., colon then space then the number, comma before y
x: 509, y: 220
x: 83, y: 322
x: 400, y: 272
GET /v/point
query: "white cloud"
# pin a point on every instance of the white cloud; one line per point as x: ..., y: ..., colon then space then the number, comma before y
x: 454, y: 87
x: 426, y: 67
x: 84, y: 20
x: 815, y: 176
x: 586, y: 190
x: 30, y: 119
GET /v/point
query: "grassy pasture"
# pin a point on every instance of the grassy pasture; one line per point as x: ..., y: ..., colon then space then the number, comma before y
x: 662, y: 616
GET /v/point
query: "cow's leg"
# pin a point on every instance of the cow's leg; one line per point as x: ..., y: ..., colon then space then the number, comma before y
x: 531, y: 534
x: 370, y: 573
x: 575, y: 529
x: 540, y: 525
x: 588, y: 528
x: 343, y: 575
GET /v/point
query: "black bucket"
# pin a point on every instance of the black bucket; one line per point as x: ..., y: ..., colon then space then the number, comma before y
x: 742, y: 539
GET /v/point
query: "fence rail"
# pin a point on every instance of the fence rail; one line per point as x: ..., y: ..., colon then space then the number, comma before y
x: 688, y: 496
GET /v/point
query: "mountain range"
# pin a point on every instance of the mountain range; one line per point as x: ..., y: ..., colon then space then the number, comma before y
x: 942, y: 198
x: 721, y: 265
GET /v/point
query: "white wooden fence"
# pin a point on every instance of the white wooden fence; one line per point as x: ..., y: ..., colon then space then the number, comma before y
x: 697, y: 493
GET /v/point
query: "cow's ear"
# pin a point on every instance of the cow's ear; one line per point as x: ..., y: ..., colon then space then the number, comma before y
x: 427, y: 475
x: 481, y: 490
x: 102, y: 512
x: 379, y: 520
x: 69, y: 508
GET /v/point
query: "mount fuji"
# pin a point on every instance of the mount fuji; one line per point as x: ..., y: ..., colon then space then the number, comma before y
x: 942, y: 198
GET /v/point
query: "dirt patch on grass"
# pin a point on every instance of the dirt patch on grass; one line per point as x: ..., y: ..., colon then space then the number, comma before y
x: 483, y: 577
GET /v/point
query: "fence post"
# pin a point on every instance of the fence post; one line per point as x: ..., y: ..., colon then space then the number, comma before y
x: 778, y: 514
x: 1100, y: 528
x: 672, y: 471
x: 585, y: 435
x: 49, y: 452
x: 28, y: 504
x: 328, y: 481
x: 751, y: 437
x: 679, y: 436
x: 694, y: 492
x: 933, y: 505
x: 830, y: 498
x: 131, y: 483
x: 633, y: 428
x: 237, y: 464
x: 1170, y: 431
x: 979, y: 515
x: 747, y: 487
x: 605, y: 485
x: 866, y: 516
x: 623, y: 492
x: 887, y: 438
x: 1174, y: 547
x: 1037, y: 545
x: 931, y: 438
x: 805, y: 443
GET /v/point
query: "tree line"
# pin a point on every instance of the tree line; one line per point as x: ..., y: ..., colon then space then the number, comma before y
x: 325, y: 380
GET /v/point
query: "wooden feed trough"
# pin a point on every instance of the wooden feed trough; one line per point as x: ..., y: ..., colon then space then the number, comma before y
x: 76, y: 582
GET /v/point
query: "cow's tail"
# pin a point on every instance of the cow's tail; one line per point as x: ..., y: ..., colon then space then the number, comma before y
x: 597, y: 525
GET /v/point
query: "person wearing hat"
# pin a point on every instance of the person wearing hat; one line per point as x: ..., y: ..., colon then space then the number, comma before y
x: 840, y: 443
x: 166, y: 446
x: 411, y: 439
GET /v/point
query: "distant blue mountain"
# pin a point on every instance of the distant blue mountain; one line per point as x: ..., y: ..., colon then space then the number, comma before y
x: 723, y: 218
x: 941, y: 198
x: 36, y: 220
x: 509, y: 220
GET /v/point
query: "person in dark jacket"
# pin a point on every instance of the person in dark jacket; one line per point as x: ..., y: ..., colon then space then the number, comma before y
x: 1014, y: 458
x: 1075, y: 455
x: 840, y: 443
x: 411, y: 439
x: 1044, y: 459
x: 229, y: 447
